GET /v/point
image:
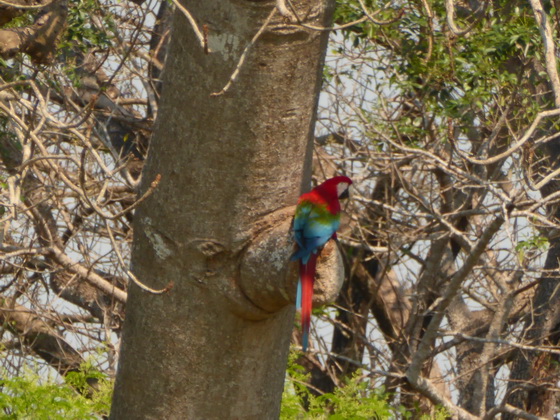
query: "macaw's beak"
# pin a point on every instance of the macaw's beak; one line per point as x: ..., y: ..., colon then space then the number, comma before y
x: 345, y: 194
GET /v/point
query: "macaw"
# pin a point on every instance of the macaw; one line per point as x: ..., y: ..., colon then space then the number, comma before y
x: 316, y: 220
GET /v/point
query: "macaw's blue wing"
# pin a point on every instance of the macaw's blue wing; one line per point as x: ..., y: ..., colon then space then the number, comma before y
x: 314, y: 225
x: 300, y: 220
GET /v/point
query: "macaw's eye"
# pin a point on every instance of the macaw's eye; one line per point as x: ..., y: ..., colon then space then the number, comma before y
x: 342, y: 190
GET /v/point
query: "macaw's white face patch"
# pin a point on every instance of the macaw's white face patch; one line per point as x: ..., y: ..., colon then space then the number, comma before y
x: 342, y: 189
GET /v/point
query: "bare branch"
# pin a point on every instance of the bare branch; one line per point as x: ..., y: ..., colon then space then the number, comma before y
x: 192, y: 21
x: 38, y: 40
x: 244, y: 54
x: 549, y: 49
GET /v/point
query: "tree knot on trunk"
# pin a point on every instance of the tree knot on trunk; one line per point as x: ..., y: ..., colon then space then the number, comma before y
x: 210, y: 248
x: 267, y: 276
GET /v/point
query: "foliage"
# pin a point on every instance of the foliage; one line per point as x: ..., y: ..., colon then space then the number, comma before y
x: 532, y: 244
x: 442, y: 95
x: 86, y: 33
x: 356, y: 399
x: 31, y: 397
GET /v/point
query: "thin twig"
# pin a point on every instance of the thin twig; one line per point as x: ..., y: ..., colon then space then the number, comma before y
x: 244, y: 55
x: 542, y: 349
x: 130, y: 275
x: 283, y: 9
x: 97, y: 209
x: 191, y: 20
x: 25, y: 6
x: 368, y: 16
x: 371, y: 16
x: 526, y: 137
x: 549, y: 50
x: 88, y: 274
x: 148, y: 192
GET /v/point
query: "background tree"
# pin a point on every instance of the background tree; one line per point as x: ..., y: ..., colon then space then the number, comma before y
x: 73, y: 138
x: 443, y: 113
x: 450, y: 124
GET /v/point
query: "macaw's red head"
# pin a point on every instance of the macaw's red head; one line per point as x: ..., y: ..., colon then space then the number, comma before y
x: 337, y: 187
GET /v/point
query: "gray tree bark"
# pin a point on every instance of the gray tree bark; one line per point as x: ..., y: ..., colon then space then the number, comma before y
x: 217, y: 226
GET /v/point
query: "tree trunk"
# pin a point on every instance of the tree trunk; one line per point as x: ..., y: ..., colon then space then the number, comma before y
x: 217, y: 227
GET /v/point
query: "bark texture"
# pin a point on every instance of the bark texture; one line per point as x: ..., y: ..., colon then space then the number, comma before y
x: 215, y: 346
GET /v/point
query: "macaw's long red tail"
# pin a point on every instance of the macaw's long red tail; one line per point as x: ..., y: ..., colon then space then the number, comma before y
x: 307, y: 278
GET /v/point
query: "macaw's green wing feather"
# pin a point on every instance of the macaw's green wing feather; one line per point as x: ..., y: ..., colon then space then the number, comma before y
x: 314, y: 225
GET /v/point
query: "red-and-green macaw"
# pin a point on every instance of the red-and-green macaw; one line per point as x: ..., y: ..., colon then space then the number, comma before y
x: 316, y: 221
